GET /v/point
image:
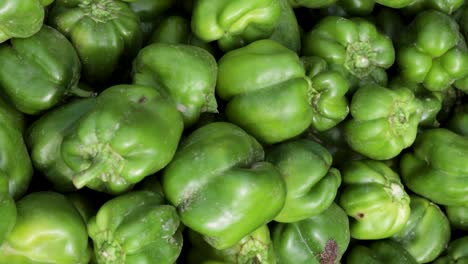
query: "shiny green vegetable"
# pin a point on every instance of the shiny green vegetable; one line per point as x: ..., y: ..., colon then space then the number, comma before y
x: 48, y: 229
x: 458, y: 216
x: 457, y: 252
x: 374, y: 198
x: 319, y: 239
x: 7, y: 210
x: 136, y: 227
x: 221, y: 186
x: 311, y: 182
x: 150, y: 12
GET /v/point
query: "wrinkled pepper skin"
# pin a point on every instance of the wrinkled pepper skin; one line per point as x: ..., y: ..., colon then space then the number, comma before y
x: 319, y: 239
x: 427, y: 232
x: 182, y: 73
x: 45, y: 137
x: 432, y: 51
x: 38, y: 71
x: 384, y: 121
x: 254, y: 248
x: 457, y: 216
x: 16, y: 167
x: 221, y: 186
x: 437, y: 168
x: 48, y: 229
x: 234, y: 23
x: 379, y: 252
x: 21, y: 19
x: 105, y: 33
x: 311, y: 182
x: 327, y: 93
x: 353, y: 46
x: 271, y: 100
x: 456, y: 253
x: 136, y: 227
x: 374, y: 198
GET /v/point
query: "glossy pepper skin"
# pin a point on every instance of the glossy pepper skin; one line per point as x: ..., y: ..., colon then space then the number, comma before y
x: 447, y: 6
x: 437, y: 168
x: 254, y: 248
x: 327, y: 93
x: 45, y: 137
x: 311, y: 182
x: 16, y: 167
x: 427, y: 232
x: 456, y: 252
x: 352, y: 46
x: 384, y: 121
x: 234, y: 23
x: 39, y: 71
x: 379, y: 252
x: 271, y: 100
x: 432, y: 51
x: 184, y: 74
x: 365, y: 7
x: 319, y: 239
x: 48, y: 229
x: 105, y: 33
x: 21, y: 19
x: 221, y: 186
x: 374, y: 198
x: 136, y: 227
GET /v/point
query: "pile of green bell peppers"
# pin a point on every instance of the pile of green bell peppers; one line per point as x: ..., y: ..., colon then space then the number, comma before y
x: 233, y: 131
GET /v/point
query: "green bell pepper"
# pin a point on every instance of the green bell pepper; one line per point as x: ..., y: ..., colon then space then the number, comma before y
x: 105, y: 33
x: 38, y: 71
x: 15, y: 167
x: 374, y: 198
x: 136, y: 227
x: 458, y: 122
x: 234, y: 23
x: 390, y: 21
x: 327, y: 93
x: 319, y: 239
x: 48, y: 229
x: 353, y: 46
x: 426, y: 233
x: 254, y: 248
x: 384, y: 121
x: 85, y: 202
x: 379, y: 252
x: 271, y: 101
x: 311, y: 182
x: 446, y: 6
x: 128, y: 133
x: 21, y: 19
x: 182, y: 73
x: 432, y: 51
x: 150, y: 12
x: 287, y: 31
x: 365, y: 7
x: 438, y: 167
x: 7, y: 210
x: 221, y: 186
x: 457, y: 216
x: 457, y: 252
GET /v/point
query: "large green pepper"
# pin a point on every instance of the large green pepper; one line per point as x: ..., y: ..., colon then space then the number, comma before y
x: 374, y: 198
x: 234, y: 23
x: 21, y: 19
x: 287, y: 31
x: 432, y: 51
x: 438, y: 167
x: 15, y: 167
x: 326, y: 94
x: 105, y: 33
x: 457, y: 252
x: 311, y: 182
x: 352, y: 46
x: 319, y: 239
x: 136, y: 227
x: 37, y: 72
x: 446, y: 6
x: 365, y: 7
x: 271, y: 101
x: 182, y: 73
x: 426, y: 233
x: 458, y: 216
x: 221, y: 186
x: 48, y: 229
x: 254, y: 248
x: 379, y: 252
x: 384, y: 121
x: 130, y: 132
